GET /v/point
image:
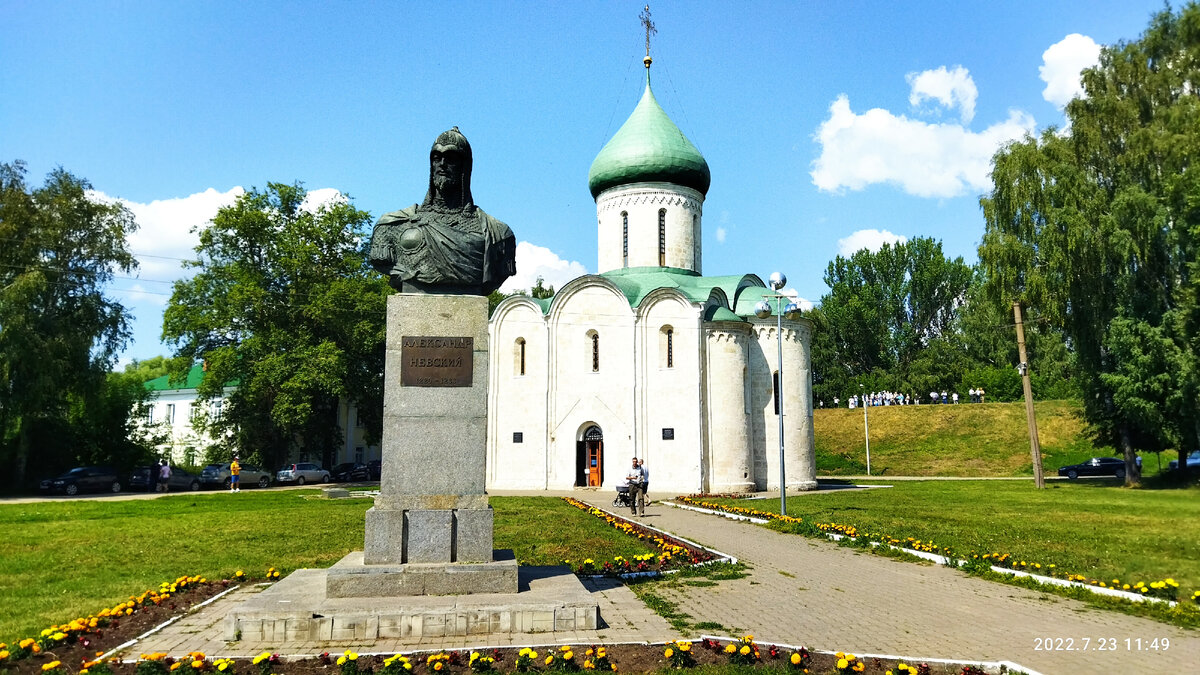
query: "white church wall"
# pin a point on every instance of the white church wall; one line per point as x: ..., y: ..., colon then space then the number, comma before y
x: 641, y: 202
x: 728, y: 449
x: 517, y: 397
x: 582, y: 395
x: 670, y: 396
x: 798, y: 444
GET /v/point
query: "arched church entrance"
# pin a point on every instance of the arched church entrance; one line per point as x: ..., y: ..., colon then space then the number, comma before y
x: 589, y: 458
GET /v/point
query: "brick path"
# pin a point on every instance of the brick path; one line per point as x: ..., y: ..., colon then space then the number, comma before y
x: 815, y: 593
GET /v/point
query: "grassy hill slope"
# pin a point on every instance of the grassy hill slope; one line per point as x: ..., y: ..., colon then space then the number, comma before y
x: 987, y: 439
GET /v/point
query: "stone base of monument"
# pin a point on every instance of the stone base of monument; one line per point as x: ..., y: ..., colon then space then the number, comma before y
x: 299, y: 608
x: 352, y: 578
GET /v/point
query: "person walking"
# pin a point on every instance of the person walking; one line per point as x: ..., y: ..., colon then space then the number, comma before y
x: 235, y: 475
x: 164, y: 478
x: 954, y: 397
x: 645, y: 479
x: 637, y: 486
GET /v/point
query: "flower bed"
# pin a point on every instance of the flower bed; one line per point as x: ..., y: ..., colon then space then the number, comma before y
x: 742, y: 653
x: 1165, y: 589
x: 674, y: 553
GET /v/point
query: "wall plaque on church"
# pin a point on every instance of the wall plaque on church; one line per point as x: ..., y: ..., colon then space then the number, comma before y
x: 436, y: 361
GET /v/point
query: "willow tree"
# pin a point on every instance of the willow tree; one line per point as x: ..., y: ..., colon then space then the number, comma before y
x: 1094, y: 229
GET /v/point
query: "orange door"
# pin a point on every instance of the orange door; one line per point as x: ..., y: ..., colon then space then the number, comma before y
x: 595, y: 461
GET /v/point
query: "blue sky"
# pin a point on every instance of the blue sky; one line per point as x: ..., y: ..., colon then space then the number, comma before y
x: 827, y: 126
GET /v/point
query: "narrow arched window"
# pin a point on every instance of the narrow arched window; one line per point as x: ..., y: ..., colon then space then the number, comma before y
x: 519, y: 357
x: 696, y: 243
x: 662, y: 237
x: 775, y: 390
x: 624, y: 239
x: 666, y: 347
x: 595, y: 352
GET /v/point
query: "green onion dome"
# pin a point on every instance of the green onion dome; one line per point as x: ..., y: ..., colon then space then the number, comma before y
x: 648, y: 148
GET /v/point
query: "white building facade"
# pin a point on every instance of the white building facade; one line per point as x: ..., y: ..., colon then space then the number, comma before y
x: 648, y: 358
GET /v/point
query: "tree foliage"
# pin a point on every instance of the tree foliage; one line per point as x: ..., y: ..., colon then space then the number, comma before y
x: 1094, y: 229
x: 59, y: 331
x: 284, y: 304
x: 888, y: 321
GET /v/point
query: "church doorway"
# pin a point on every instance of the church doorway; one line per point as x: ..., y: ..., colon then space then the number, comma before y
x: 589, y: 461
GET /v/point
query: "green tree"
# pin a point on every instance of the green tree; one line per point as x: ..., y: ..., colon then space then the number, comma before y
x: 890, y: 316
x: 284, y: 303
x: 1095, y: 230
x: 59, y: 331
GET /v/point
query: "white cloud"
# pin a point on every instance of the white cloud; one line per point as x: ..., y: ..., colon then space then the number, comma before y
x: 872, y: 240
x: 535, y: 261
x: 794, y: 295
x: 925, y: 160
x: 1063, y: 62
x: 721, y: 232
x: 315, y: 199
x: 164, y: 234
x: 951, y: 88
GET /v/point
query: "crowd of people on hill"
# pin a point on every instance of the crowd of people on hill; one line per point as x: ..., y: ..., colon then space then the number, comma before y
x: 878, y: 398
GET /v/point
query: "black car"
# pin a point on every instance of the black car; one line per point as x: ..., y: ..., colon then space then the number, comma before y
x: 375, y: 466
x: 146, y: 478
x: 1096, y: 466
x: 83, y: 479
x: 350, y: 471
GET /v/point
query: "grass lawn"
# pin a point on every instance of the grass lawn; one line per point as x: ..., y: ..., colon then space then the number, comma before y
x: 1090, y: 527
x: 68, y: 558
x: 988, y: 439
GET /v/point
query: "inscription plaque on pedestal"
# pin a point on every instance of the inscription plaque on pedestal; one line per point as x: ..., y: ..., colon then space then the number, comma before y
x: 429, y: 361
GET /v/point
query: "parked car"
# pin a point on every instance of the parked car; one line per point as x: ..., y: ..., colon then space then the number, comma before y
x: 1096, y: 466
x: 1193, y: 461
x: 304, y: 472
x: 350, y: 471
x: 83, y: 479
x: 218, y: 474
x: 375, y: 466
x: 146, y: 478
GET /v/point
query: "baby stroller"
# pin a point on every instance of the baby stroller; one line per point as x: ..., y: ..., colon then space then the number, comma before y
x: 624, y: 496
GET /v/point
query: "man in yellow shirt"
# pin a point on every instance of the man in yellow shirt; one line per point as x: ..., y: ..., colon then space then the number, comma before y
x: 235, y: 476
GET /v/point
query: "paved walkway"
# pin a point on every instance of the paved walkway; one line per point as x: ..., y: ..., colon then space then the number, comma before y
x: 815, y: 593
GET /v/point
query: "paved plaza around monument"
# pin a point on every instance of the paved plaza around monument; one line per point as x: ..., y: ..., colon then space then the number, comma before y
x: 809, y: 592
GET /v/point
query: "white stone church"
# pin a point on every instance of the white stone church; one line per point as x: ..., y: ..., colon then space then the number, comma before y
x: 648, y: 358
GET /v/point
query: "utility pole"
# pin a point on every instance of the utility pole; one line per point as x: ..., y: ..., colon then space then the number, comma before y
x: 1035, y: 446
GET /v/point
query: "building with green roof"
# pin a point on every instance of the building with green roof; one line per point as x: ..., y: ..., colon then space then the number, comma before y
x: 649, y: 358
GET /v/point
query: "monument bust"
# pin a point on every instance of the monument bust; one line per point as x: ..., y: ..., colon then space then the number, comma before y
x: 444, y: 245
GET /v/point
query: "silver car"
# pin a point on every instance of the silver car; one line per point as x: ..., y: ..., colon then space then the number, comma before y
x: 304, y: 472
x: 218, y: 474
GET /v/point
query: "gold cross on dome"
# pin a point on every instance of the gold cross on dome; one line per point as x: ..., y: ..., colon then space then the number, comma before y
x: 650, y: 30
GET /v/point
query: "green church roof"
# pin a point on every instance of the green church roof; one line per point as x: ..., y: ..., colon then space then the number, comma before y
x: 194, y: 377
x: 648, y: 148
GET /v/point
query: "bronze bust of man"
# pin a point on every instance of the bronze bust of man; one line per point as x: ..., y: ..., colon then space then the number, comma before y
x: 445, y: 245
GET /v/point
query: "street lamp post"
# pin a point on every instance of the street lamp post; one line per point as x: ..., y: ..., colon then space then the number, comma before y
x: 791, y: 312
x: 862, y: 398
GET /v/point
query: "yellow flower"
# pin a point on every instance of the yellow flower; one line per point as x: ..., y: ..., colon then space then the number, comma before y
x: 668, y: 652
x: 730, y: 648
x: 177, y: 664
x: 859, y: 667
x: 842, y: 663
x: 51, y: 666
x: 437, y: 666
x: 197, y: 664
x: 744, y: 650
x: 569, y: 655
x: 549, y: 659
x: 261, y: 657
x: 685, y: 646
x: 795, y: 658
x: 341, y: 661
